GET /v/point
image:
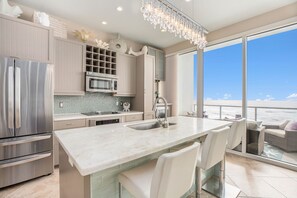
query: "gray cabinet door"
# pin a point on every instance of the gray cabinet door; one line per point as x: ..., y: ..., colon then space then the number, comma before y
x: 70, y: 65
x: 160, y: 66
x: 25, y: 40
x: 151, y: 51
x: 159, y: 63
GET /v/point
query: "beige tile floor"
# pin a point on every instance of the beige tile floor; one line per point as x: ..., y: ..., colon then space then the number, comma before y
x: 254, y: 178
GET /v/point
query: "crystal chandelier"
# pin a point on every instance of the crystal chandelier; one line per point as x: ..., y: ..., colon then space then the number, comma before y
x: 169, y: 18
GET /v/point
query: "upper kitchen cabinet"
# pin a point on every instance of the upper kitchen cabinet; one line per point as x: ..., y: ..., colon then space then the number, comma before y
x: 25, y: 40
x: 144, y: 99
x: 70, y: 65
x: 126, y: 72
x: 159, y: 63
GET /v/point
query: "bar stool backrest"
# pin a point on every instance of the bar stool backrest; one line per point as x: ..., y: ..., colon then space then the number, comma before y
x: 214, y: 147
x: 174, y: 173
x: 238, y: 129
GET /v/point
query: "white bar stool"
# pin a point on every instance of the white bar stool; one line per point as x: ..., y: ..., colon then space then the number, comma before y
x: 237, y: 131
x: 211, y: 153
x: 169, y: 177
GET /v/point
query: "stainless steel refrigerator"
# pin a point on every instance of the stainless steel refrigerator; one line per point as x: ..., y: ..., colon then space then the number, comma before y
x: 26, y: 120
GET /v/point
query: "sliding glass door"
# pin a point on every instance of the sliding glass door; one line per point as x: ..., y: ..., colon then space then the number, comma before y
x: 272, y: 94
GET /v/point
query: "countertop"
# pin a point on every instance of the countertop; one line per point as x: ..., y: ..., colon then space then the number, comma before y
x: 94, y: 149
x: 73, y: 116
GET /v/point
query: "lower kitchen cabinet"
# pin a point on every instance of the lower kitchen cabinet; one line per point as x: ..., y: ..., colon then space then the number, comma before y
x: 69, y: 67
x: 126, y: 71
x: 61, y: 125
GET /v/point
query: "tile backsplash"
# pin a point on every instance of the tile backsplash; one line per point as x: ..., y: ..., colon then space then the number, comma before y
x: 89, y: 102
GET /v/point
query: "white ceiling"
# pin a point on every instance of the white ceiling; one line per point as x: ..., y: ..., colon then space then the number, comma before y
x: 212, y: 14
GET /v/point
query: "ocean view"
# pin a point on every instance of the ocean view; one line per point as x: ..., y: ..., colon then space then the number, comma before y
x: 267, y: 111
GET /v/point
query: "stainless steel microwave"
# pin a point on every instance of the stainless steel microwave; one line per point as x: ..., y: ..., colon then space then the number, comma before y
x: 96, y: 83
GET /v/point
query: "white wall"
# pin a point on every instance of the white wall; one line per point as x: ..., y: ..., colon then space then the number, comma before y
x: 185, y: 83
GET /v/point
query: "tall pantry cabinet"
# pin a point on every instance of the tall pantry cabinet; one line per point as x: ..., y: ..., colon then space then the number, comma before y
x: 145, y: 77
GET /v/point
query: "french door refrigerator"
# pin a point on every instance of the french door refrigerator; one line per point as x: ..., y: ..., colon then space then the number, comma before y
x: 26, y: 120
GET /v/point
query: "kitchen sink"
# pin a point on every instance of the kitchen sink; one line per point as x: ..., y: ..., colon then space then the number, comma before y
x: 148, y: 125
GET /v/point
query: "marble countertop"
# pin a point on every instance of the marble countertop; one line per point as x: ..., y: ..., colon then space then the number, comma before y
x: 92, y: 149
x: 73, y: 116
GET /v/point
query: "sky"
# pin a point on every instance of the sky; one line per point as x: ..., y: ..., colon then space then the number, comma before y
x: 272, y: 70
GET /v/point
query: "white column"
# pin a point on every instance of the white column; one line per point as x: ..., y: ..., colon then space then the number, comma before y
x: 200, y: 83
x: 244, y: 87
x: 244, y: 77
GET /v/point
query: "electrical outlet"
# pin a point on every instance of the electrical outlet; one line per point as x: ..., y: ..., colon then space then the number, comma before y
x: 61, y: 104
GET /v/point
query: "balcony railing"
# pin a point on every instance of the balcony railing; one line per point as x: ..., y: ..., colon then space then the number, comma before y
x: 291, y: 112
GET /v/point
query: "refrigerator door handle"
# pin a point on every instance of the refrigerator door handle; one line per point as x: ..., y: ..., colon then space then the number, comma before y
x: 10, y: 97
x: 18, y: 123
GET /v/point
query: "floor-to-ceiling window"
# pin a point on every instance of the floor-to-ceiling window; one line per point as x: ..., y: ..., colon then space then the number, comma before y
x: 271, y: 89
x: 223, y: 80
x: 272, y: 92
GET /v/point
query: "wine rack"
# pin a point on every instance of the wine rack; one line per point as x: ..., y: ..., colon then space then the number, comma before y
x: 101, y: 61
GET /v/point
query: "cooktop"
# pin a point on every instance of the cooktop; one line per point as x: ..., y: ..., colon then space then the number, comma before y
x: 100, y: 113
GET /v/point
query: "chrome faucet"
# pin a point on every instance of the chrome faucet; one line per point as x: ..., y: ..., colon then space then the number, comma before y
x: 163, y: 123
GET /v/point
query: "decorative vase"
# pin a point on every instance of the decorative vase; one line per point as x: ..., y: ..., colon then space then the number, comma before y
x: 6, y: 9
x: 42, y: 18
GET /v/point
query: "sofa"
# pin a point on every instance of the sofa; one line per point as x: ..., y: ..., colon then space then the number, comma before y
x: 283, y: 135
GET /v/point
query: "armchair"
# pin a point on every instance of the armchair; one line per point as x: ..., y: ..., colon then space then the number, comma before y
x: 255, y: 140
x: 283, y: 135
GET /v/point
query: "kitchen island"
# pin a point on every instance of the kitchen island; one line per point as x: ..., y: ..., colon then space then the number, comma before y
x: 90, y: 161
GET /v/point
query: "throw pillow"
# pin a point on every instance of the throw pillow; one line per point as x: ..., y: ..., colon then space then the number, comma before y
x: 252, y: 125
x: 292, y: 126
x: 284, y: 124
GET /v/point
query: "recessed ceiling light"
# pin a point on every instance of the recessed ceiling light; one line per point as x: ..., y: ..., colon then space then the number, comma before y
x: 187, y: 0
x: 163, y: 30
x: 104, y: 22
x: 119, y: 8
